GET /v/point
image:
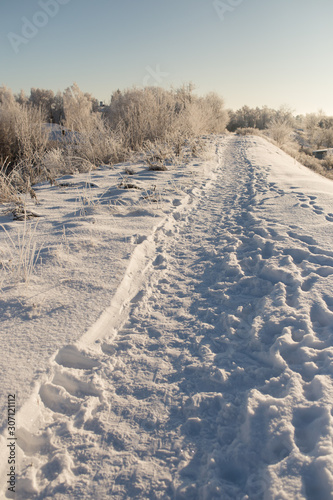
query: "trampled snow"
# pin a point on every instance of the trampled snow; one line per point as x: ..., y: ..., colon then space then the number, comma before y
x: 175, y: 338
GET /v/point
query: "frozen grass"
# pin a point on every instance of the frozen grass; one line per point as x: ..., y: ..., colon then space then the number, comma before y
x: 8, y: 185
x: 20, y: 254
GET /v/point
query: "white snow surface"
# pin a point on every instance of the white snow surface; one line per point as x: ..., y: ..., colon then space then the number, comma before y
x: 174, y: 341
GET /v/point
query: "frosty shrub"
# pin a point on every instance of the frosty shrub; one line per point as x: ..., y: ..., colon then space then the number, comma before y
x: 322, y: 167
x: 22, y: 135
x: 280, y: 131
x: 8, y: 111
x: 248, y: 131
x: 198, y: 115
x: 77, y: 108
x: 154, y: 114
x: 31, y: 136
x: 318, y: 130
x: 92, y: 138
x: 23, y: 141
x: 54, y: 163
x: 310, y: 162
x: 141, y: 115
x: 292, y: 149
x: 9, y: 185
x: 322, y: 138
x: 150, y: 120
x: 328, y: 162
x: 217, y: 117
x: 158, y: 155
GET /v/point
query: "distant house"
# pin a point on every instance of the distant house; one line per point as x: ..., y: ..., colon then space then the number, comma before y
x: 321, y: 153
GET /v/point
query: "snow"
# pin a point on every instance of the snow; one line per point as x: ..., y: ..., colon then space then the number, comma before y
x: 175, y: 341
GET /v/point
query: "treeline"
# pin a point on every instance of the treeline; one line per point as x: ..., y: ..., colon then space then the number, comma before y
x: 298, y: 135
x: 47, y: 134
x: 259, y: 118
x: 314, y: 130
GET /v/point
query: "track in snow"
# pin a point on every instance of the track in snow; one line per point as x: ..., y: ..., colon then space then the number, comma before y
x: 218, y: 384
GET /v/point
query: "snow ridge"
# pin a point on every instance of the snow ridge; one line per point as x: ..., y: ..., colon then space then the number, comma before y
x: 214, y: 378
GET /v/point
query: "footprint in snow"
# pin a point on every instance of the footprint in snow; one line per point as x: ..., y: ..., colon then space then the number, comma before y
x: 314, y: 485
x: 329, y: 302
x: 308, y: 284
x: 301, y: 237
x: 70, y: 357
x: 297, y: 254
x: 108, y: 349
x: 75, y: 387
x: 138, y: 239
x: 267, y: 251
x: 58, y: 400
x: 324, y: 271
x: 321, y: 317
x: 309, y: 424
x: 31, y: 444
x: 138, y: 297
x: 159, y: 261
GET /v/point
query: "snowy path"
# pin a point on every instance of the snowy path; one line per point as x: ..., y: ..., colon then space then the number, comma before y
x: 218, y: 384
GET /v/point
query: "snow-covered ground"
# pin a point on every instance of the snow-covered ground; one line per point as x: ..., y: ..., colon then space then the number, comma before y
x: 176, y: 340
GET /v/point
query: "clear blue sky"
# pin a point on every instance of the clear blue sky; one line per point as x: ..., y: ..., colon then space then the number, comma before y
x: 256, y: 52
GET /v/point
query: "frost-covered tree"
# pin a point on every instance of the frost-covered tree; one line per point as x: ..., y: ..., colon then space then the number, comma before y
x: 77, y: 108
x: 44, y: 99
x: 57, y: 108
x: 21, y: 98
x: 6, y: 96
x: 217, y: 116
x: 246, y: 117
